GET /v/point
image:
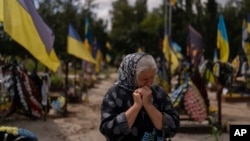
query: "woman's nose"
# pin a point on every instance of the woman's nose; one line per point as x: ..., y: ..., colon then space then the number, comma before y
x: 149, y: 83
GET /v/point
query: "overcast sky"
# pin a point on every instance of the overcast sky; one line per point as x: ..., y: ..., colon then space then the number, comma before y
x: 105, y: 5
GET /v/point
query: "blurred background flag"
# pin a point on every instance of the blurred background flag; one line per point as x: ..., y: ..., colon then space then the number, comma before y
x: 108, y: 58
x: 177, y: 49
x: 76, y: 47
x: 23, y: 23
x: 98, y: 60
x: 195, y: 46
x: 169, y: 54
x: 236, y: 64
x: 88, y: 40
x: 108, y: 46
x: 222, y: 40
x: 173, y: 2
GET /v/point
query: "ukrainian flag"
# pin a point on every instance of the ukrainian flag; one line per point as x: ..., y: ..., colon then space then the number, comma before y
x: 169, y: 54
x: 76, y: 47
x: 222, y: 40
x: 88, y: 41
x: 24, y: 25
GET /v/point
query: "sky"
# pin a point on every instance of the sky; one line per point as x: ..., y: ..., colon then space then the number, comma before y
x: 106, y: 5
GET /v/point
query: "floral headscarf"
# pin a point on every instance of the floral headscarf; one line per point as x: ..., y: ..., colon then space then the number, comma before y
x: 127, y: 71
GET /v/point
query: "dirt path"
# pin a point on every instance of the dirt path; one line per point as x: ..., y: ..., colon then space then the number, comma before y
x: 82, y: 122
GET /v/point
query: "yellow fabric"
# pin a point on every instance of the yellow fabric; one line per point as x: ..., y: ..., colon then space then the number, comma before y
x: 108, y: 46
x: 10, y: 130
x: 222, y: 40
x: 248, y: 26
x: 170, y: 55
x: 209, y: 76
x: 223, y: 46
x: 19, y: 25
x: 236, y: 64
x: 1, y: 10
x: 53, y: 56
x: 173, y: 2
x: 247, y: 51
x: 78, y: 49
x: 98, y: 61
x: 139, y: 49
x: 87, y: 45
x: 108, y: 58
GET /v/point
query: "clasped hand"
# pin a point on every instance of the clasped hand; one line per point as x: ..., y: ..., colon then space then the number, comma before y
x: 142, y: 96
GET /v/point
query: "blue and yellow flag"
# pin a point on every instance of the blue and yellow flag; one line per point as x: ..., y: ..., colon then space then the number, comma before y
x: 177, y: 50
x: 23, y: 23
x: 88, y: 40
x: 76, y: 47
x: 98, y: 61
x: 222, y: 40
x: 169, y: 54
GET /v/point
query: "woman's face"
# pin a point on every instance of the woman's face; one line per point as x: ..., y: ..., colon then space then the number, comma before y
x: 146, y: 77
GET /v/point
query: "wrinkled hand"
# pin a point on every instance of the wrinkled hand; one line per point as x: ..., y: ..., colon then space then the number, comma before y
x: 146, y: 95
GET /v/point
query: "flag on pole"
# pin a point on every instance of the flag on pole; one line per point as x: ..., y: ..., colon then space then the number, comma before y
x: 195, y: 46
x: 177, y: 50
x: 98, y: 61
x: 76, y: 47
x: 88, y: 40
x: 222, y: 40
x: 23, y: 23
x: 169, y: 54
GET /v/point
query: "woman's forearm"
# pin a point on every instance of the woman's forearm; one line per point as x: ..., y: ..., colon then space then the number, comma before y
x: 155, y: 116
x: 131, y: 115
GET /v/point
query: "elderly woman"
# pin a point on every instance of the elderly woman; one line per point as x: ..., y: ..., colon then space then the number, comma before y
x: 135, y: 109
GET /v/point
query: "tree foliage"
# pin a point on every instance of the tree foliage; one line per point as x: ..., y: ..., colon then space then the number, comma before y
x: 134, y: 26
